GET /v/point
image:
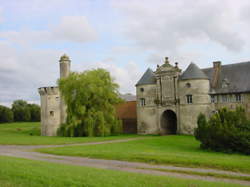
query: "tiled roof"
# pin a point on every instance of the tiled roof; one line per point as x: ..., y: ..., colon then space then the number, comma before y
x: 147, y: 78
x: 193, y: 72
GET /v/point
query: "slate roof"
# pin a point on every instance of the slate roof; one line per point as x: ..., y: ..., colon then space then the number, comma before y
x: 193, y: 72
x: 236, y: 75
x: 147, y: 78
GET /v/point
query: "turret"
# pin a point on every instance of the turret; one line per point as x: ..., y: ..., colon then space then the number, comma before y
x: 64, y: 72
x: 64, y: 66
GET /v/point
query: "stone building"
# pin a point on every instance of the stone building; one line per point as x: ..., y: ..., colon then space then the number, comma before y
x: 53, y: 108
x: 169, y: 101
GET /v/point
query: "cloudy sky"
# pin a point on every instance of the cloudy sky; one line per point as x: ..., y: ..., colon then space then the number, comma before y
x: 125, y: 37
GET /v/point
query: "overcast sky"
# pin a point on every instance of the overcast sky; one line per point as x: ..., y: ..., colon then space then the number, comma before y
x: 123, y: 36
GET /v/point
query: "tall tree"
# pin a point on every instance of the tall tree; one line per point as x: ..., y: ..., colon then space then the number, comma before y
x: 90, y: 97
x: 21, y: 110
x: 6, y: 115
x: 35, y: 113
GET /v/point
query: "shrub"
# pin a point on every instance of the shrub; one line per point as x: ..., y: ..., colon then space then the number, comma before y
x: 226, y: 130
x: 6, y: 115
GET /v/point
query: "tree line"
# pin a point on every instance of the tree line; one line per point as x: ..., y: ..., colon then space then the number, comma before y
x: 20, y: 111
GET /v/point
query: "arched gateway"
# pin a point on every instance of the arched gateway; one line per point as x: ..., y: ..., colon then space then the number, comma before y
x: 168, y: 122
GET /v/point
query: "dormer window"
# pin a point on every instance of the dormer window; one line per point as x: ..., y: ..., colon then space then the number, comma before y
x: 225, y: 83
x: 189, y: 99
x: 142, y: 102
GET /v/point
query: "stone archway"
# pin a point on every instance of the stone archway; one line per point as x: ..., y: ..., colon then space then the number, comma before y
x: 168, y: 122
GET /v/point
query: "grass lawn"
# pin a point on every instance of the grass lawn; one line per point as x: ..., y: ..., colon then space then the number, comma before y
x: 27, y: 173
x: 176, y: 150
x: 29, y: 134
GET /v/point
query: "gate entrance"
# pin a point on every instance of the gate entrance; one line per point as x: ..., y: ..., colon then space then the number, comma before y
x: 169, y: 122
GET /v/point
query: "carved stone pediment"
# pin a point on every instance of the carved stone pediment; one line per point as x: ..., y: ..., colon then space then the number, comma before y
x: 167, y: 68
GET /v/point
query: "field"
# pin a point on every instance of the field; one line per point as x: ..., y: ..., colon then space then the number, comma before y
x: 175, y: 150
x: 29, y: 134
x: 27, y: 173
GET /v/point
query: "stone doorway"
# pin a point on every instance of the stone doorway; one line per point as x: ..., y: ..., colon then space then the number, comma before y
x: 168, y: 122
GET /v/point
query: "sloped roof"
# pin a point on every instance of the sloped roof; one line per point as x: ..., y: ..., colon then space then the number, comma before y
x: 237, y: 75
x: 193, y: 72
x: 147, y: 78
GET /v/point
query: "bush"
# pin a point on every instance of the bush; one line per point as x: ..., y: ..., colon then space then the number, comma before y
x: 226, y: 131
x: 6, y: 115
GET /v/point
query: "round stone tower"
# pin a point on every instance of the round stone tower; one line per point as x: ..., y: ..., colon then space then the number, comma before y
x: 53, y: 108
x: 64, y: 72
x: 50, y: 110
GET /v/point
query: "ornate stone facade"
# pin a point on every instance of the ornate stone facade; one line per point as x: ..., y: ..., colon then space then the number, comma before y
x: 169, y: 102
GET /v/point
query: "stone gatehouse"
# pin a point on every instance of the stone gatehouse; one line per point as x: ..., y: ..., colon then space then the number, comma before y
x: 169, y: 101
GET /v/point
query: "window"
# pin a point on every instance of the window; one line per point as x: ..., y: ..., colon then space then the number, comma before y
x: 188, y: 85
x: 237, y: 97
x: 51, y: 113
x: 142, y: 89
x: 189, y: 99
x: 142, y: 102
x: 224, y: 98
x: 212, y: 98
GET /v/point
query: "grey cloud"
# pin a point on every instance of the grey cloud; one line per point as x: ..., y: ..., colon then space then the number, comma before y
x: 167, y: 25
x: 70, y: 29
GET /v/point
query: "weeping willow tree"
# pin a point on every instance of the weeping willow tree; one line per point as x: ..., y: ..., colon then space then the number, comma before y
x: 90, y: 97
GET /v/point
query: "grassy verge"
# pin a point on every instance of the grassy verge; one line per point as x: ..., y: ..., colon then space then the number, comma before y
x: 207, y: 174
x: 27, y: 173
x: 174, y: 150
x: 29, y: 134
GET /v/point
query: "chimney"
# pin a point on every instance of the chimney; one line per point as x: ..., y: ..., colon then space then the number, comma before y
x: 216, y: 74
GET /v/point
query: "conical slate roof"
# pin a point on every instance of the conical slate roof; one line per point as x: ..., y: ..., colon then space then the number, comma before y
x: 193, y: 72
x: 147, y: 78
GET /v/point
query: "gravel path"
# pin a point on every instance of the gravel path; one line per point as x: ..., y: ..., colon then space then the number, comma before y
x: 136, y: 167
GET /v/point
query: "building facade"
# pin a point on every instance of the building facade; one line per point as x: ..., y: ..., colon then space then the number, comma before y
x: 169, y: 101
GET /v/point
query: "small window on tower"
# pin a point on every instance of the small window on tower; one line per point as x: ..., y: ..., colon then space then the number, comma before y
x: 189, y: 99
x: 142, y: 89
x: 188, y: 85
x: 142, y: 102
x: 51, y: 113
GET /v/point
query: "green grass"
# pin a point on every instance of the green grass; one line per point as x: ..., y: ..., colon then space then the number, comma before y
x: 174, y: 150
x: 29, y: 134
x: 27, y: 173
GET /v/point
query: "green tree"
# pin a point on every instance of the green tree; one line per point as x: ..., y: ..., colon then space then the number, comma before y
x: 6, y: 115
x: 21, y: 110
x: 90, y: 97
x: 35, y: 112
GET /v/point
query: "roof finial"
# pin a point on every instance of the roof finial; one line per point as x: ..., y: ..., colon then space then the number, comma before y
x: 176, y: 64
x: 166, y: 60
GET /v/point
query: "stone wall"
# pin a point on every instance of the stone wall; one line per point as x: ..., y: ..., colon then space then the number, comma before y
x: 201, y: 103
